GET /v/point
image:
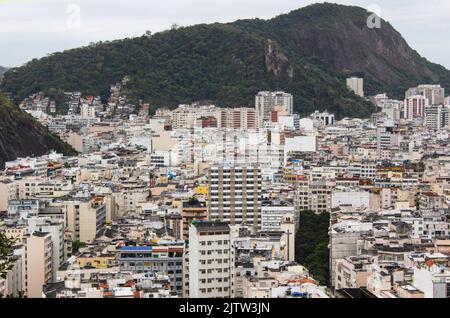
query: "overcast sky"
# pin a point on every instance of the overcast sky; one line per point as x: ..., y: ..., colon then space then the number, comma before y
x: 33, y: 28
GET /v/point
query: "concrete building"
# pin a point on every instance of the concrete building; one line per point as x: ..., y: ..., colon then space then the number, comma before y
x: 387, y: 136
x: 324, y: 118
x: 211, y: 261
x: 235, y: 194
x: 414, y: 107
x: 344, y: 238
x: 85, y: 219
x: 7, y: 193
x: 437, y: 117
x: 435, y: 94
x: 155, y: 259
x: 56, y: 231
x: 352, y: 272
x: 23, y: 209
x: 266, y: 102
x: 39, y: 268
x: 353, y: 198
x: 315, y: 195
x: 14, y: 282
x: 356, y: 85
x: 193, y: 210
x: 273, y: 213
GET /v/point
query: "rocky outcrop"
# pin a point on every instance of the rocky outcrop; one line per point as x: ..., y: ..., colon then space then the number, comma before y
x: 276, y: 62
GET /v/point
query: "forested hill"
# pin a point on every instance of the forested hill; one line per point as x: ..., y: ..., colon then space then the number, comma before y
x: 308, y: 53
x: 21, y: 135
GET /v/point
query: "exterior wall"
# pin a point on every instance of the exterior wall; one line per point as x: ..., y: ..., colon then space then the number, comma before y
x: 356, y: 199
x: 210, y: 262
x: 146, y: 259
x: 235, y: 194
x: 272, y: 217
x: 39, y: 264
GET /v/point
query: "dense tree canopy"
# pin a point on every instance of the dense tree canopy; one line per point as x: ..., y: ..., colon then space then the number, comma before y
x: 312, y: 244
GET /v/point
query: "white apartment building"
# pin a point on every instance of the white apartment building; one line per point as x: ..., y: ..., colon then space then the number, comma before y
x: 87, y: 111
x: 387, y: 136
x: 324, y: 118
x: 38, y: 165
x: 437, y: 117
x: 211, y: 260
x: 272, y: 215
x: 356, y: 199
x: 56, y: 231
x: 266, y: 102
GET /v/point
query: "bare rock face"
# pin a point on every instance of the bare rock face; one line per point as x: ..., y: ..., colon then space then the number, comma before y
x: 277, y: 62
x: 341, y: 38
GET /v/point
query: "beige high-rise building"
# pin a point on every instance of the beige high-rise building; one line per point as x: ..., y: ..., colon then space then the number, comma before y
x: 356, y: 85
x: 235, y: 195
x: 315, y: 195
x: 39, y: 250
x: 85, y: 218
x: 435, y: 94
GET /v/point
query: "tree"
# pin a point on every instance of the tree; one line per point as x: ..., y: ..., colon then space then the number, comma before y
x: 76, y: 245
x: 312, y: 244
x: 6, y: 249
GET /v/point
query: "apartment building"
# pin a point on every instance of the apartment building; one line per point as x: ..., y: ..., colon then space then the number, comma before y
x: 437, y: 117
x: 353, y: 271
x: 325, y: 119
x: 85, y: 218
x: 273, y: 214
x: 266, y: 102
x: 235, y: 194
x: 356, y: 85
x: 315, y: 195
x: 39, y: 268
x: 211, y: 260
x: 192, y: 210
x: 435, y: 94
x: 155, y: 259
x: 190, y: 116
x: 387, y: 136
x: 7, y: 193
x: 56, y: 231
x: 414, y: 107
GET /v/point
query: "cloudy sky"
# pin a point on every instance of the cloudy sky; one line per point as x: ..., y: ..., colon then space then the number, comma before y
x: 33, y: 28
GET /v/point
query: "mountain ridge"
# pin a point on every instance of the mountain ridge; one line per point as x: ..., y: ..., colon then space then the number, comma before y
x: 308, y: 52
